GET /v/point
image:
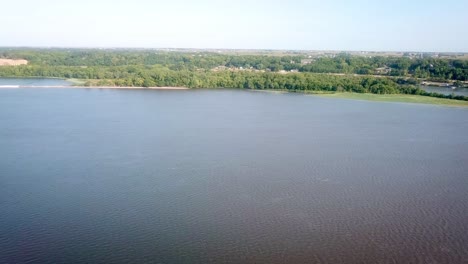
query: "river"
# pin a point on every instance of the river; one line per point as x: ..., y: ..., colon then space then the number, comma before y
x: 229, y: 176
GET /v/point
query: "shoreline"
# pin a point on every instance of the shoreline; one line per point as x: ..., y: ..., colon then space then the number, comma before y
x: 89, y: 87
x: 397, y: 98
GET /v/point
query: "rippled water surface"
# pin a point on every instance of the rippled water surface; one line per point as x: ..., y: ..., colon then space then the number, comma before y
x: 229, y: 176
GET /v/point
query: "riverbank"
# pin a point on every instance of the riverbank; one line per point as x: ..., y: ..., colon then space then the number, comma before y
x: 402, y: 98
x: 89, y: 87
x: 405, y: 98
x: 396, y: 98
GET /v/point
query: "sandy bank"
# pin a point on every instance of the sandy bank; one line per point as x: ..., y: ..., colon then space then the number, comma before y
x: 11, y: 62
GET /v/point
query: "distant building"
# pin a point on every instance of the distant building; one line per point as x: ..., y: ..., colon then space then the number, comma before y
x: 306, y: 61
x: 383, y: 70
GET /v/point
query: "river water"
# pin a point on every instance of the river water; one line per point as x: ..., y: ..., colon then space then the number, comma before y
x: 229, y: 176
x: 446, y: 90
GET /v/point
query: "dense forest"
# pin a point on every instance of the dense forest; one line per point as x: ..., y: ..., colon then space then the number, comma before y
x: 426, y: 67
x: 146, y: 68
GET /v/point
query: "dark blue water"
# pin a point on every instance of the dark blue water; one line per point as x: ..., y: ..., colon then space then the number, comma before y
x: 229, y: 176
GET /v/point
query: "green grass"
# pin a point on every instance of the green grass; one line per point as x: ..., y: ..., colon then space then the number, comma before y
x: 404, y: 98
x: 76, y: 81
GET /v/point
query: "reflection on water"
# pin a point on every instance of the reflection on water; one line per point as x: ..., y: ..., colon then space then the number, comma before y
x: 215, y: 176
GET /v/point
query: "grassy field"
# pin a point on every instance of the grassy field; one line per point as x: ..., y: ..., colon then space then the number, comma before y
x: 404, y: 98
x: 77, y: 81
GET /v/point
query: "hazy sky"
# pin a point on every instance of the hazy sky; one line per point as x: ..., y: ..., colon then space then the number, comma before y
x: 416, y: 25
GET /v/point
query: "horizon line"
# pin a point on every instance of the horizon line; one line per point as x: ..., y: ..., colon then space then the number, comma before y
x: 229, y: 49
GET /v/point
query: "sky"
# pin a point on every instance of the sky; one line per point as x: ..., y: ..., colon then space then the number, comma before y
x: 353, y: 25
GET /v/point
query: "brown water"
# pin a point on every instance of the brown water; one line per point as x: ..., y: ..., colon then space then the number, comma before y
x: 229, y: 176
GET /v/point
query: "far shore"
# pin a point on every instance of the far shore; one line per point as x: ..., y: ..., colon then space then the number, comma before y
x: 396, y: 98
x: 91, y: 87
x: 402, y: 98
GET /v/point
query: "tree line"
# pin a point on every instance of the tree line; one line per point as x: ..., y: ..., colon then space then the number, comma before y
x: 436, y: 69
x: 149, y: 76
x: 144, y: 68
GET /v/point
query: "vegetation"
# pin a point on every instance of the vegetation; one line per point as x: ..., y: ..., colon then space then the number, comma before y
x: 404, y: 98
x: 421, y: 67
x: 340, y: 73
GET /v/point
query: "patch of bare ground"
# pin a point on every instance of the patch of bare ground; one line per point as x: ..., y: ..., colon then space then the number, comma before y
x: 12, y: 62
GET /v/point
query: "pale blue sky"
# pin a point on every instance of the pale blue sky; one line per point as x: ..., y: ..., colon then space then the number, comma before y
x: 395, y: 25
